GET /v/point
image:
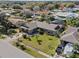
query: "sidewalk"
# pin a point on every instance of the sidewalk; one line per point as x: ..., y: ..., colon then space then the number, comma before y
x: 40, y: 52
x: 58, y: 56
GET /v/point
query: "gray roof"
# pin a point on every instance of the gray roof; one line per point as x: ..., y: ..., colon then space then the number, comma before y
x: 16, y: 21
x: 67, y: 14
x: 31, y: 25
x: 71, y: 35
x: 44, y: 25
x: 69, y: 30
x: 47, y: 26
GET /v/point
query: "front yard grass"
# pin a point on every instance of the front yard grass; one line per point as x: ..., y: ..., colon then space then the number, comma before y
x: 30, y: 51
x: 34, y: 53
x: 77, y: 55
x: 48, y: 43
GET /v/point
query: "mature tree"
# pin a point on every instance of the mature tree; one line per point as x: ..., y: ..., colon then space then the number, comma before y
x: 76, y: 46
x: 50, y: 6
x: 30, y: 5
x: 26, y: 14
x: 4, y: 6
x: 73, y: 22
x: 12, y: 31
x: 17, y: 6
x: 43, y: 17
x: 70, y: 5
x: 40, y: 31
x: 56, y: 6
x: 36, y: 8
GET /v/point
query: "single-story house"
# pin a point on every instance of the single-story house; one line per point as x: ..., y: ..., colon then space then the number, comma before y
x: 70, y: 35
x: 59, y: 18
x: 14, y: 20
x: 68, y: 50
x: 58, y: 22
x: 31, y: 27
x: 66, y: 14
x: 56, y: 10
x: 71, y: 9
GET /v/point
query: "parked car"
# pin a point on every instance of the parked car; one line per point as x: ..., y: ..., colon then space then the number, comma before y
x: 60, y: 48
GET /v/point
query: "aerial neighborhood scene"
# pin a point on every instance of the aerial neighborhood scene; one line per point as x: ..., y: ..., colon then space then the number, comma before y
x: 39, y: 29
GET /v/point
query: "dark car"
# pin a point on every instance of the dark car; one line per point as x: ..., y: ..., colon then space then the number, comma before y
x: 60, y: 48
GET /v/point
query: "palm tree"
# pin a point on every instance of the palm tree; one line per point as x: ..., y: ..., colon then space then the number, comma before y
x: 24, y: 36
x: 22, y: 47
x: 17, y: 44
x: 40, y: 31
x: 29, y: 39
x: 39, y: 42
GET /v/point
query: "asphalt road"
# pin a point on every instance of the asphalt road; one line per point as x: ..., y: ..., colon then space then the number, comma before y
x: 9, y: 51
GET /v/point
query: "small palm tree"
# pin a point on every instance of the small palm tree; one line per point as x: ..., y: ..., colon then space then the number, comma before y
x: 17, y: 44
x: 22, y: 47
x: 24, y: 36
x: 39, y: 42
x: 29, y: 39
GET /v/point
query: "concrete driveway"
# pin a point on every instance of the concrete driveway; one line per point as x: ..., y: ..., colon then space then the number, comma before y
x: 9, y: 51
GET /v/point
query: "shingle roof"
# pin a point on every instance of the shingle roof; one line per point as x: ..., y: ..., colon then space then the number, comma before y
x: 44, y: 25
x: 31, y: 25
x: 67, y: 14
x: 15, y: 21
x: 71, y: 35
x: 34, y: 24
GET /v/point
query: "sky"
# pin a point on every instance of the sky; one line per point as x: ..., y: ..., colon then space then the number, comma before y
x: 39, y: 0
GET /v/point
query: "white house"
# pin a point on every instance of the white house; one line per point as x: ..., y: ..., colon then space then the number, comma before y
x: 68, y: 50
x: 66, y: 14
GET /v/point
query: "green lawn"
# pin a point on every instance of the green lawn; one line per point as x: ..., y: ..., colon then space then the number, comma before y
x: 30, y: 51
x: 77, y: 56
x: 48, y: 44
x: 74, y: 56
x: 34, y: 53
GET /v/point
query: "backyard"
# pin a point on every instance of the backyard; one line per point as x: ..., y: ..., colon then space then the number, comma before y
x: 44, y: 43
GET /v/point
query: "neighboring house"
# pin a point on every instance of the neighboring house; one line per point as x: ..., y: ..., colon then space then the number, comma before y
x: 76, y: 6
x: 58, y: 22
x: 66, y: 14
x: 14, y: 20
x: 4, y: 15
x: 36, y: 17
x: 56, y: 10
x: 68, y: 50
x: 71, y: 9
x: 27, y: 13
x: 70, y: 35
x: 42, y: 12
x: 68, y: 9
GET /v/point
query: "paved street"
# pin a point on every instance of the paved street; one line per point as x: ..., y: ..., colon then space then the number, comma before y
x: 9, y: 51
